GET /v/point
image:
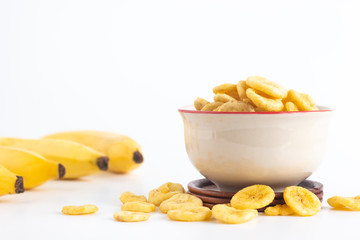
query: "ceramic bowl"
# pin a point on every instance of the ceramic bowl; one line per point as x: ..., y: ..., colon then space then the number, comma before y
x: 238, y: 149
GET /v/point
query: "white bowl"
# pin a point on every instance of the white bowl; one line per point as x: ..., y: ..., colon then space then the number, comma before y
x: 238, y: 149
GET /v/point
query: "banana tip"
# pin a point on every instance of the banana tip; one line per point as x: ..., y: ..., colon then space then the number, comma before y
x: 138, y: 157
x: 61, y: 170
x: 19, y: 185
x: 103, y: 163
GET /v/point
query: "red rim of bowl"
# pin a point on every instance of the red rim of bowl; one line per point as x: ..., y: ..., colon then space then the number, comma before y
x: 185, y: 110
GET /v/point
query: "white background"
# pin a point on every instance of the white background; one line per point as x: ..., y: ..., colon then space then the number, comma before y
x: 126, y: 66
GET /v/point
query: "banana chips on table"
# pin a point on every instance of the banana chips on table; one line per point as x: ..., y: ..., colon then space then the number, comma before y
x: 243, y: 207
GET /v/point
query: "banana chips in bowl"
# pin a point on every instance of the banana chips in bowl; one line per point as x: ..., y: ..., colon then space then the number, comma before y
x: 255, y: 132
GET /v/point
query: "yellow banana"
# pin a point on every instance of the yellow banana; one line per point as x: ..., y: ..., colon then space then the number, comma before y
x: 77, y: 159
x: 124, y: 153
x: 34, y: 168
x: 9, y: 182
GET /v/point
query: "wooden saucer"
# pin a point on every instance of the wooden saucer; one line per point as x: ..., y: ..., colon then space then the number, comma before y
x: 216, y: 200
x: 206, y: 187
x: 275, y: 202
x: 211, y: 195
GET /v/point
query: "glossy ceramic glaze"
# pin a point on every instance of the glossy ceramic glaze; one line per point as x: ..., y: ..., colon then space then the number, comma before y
x: 235, y: 150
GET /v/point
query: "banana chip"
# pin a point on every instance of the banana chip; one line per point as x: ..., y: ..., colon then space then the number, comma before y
x: 138, y: 207
x: 241, y: 89
x: 236, y: 106
x: 259, y: 110
x: 164, y: 192
x: 253, y: 197
x: 230, y: 215
x: 127, y: 216
x: 309, y: 99
x: 222, y: 97
x: 130, y: 197
x: 79, y: 210
x: 227, y: 88
x: 266, y: 86
x: 291, y: 107
x: 211, y: 106
x: 171, y: 187
x: 268, y: 104
x: 180, y: 200
x: 190, y: 214
x: 352, y: 203
x: 217, y: 109
x: 199, y: 103
x: 279, y: 210
x: 303, y: 101
x: 248, y: 101
x: 302, y: 201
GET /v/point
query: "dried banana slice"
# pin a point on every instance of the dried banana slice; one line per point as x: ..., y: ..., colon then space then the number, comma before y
x: 171, y: 187
x: 253, y: 197
x: 190, y: 214
x: 248, y: 101
x: 263, y: 102
x: 79, y: 210
x: 257, y: 109
x: 336, y: 202
x: 303, y: 101
x: 266, y: 86
x: 279, y: 210
x: 236, y: 106
x: 222, y: 97
x: 227, y: 88
x: 138, y: 207
x: 309, y: 99
x: 352, y: 203
x: 164, y: 192
x: 180, y: 200
x: 211, y: 106
x: 130, y: 197
x: 291, y: 107
x: 217, y: 109
x: 127, y: 216
x: 241, y: 89
x: 199, y: 103
x: 302, y: 201
x: 226, y: 214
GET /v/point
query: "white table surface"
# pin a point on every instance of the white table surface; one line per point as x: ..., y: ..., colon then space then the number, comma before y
x: 37, y: 213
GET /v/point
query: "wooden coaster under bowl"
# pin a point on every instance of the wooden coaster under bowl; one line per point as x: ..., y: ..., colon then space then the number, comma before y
x: 211, y: 195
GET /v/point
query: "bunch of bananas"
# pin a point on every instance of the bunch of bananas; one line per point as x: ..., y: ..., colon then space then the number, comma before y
x: 28, y: 163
